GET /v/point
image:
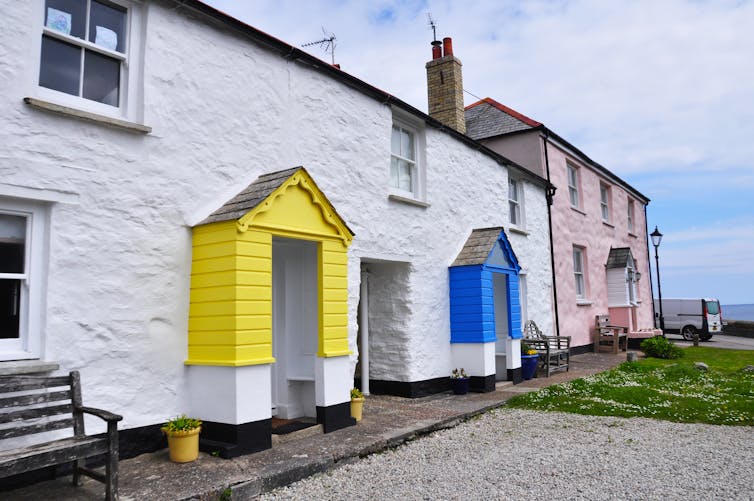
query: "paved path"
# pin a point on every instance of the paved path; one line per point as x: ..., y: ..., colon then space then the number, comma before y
x: 388, y: 422
x: 718, y: 341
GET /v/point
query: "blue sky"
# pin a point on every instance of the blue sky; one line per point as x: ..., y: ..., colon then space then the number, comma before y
x: 661, y: 93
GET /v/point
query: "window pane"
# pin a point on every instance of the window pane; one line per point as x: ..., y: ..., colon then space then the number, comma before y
x: 10, y: 305
x: 513, y: 207
x: 605, y: 214
x: 12, y: 243
x: 101, y: 78
x: 66, y: 16
x: 59, y: 68
x: 571, y: 176
x: 603, y: 194
x: 574, y: 197
x: 394, y: 172
x: 107, y: 26
x: 577, y: 260
x: 395, y: 141
x: 405, y: 176
x: 407, y: 144
x: 513, y: 190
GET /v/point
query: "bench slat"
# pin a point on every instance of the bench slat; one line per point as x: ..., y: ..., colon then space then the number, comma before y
x: 50, y: 453
x: 37, y: 412
x: 10, y: 384
x: 20, y: 431
x: 38, y: 398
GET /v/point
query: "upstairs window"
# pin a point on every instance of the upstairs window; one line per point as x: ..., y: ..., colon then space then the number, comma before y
x: 630, y: 215
x: 578, y: 272
x: 84, y: 49
x: 515, y: 199
x: 605, y: 202
x: 573, y: 186
x: 403, y: 170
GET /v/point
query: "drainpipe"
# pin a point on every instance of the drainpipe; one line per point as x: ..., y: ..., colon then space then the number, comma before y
x: 552, y: 247
x: 364, y: 348
x: 649, y: 262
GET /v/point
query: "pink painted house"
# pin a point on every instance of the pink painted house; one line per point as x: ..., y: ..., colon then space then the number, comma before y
x: 600, y: 254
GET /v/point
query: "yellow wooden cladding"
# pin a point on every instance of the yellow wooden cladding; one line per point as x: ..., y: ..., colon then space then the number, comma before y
x: 230, y: 315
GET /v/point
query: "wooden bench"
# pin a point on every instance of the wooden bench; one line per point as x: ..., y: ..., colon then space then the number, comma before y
x: 610, y: 338
x: 30, y: 405
x: 554, y: 351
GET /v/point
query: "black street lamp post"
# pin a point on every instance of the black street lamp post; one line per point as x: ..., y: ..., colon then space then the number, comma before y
x: 656, y: 239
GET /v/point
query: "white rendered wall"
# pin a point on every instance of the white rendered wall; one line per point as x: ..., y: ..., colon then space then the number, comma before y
x: 231, y: 395
x: 223, y: 112
x: 476, y: 359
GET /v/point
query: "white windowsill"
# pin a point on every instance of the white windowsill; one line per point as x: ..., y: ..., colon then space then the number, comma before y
x: 16, y: 367
x: 407, y: 200
x: 520, y: 231
x: 87, y: 115
x: 576, y: 209
x: 608, y: 223
x: 583, y: 302
x: 632, y: 234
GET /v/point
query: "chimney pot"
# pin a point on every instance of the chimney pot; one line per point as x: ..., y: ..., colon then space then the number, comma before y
x: 447, y: 46
x: 436, y: 49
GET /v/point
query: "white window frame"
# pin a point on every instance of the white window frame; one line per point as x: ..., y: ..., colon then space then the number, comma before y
x: 516, y: 205
x: 605, y: 197
x: 579, y: 275
x: 130, y: 107
x: 29, y: 343
x: 574, y: 191
x: 630, y: 216
x: 523, y: 296
x: 418, y: 181
x: 631, y: 280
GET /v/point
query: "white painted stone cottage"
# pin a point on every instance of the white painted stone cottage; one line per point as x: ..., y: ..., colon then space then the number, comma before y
x: 141, y: 140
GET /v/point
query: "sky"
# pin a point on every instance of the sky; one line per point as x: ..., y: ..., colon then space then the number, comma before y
x: 659, y: 92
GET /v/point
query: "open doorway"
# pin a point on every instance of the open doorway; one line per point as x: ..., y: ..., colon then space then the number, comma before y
x: 295, y: 326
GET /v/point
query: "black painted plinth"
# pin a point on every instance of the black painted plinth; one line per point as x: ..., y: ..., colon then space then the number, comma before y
x: 515, y: 375
x: 335, y: 417
x: 233, y: 440
x: 482, y: 384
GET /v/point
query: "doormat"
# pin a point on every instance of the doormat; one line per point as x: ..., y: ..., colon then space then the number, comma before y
x: 285, y: 426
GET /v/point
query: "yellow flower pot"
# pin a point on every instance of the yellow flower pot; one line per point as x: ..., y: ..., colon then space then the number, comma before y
x: 357, y: 405
x: 184, y: 445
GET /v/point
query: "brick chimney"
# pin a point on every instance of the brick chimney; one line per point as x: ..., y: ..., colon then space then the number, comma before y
x: 445, y: 86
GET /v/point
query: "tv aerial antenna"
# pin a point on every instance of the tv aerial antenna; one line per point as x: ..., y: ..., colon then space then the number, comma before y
x: 432, y: 25
x: 327, y: 44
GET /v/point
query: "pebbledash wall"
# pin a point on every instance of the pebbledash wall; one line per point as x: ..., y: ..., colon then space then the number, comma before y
x: 119, y: 206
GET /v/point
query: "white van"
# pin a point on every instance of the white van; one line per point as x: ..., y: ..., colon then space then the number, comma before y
x: 688, y: 316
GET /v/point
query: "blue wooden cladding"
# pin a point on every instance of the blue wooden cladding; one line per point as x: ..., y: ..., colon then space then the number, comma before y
x: 472, y: 297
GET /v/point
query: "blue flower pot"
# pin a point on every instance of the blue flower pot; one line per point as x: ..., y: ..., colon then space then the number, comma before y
x: 529, y: 365
x: 460, y: 385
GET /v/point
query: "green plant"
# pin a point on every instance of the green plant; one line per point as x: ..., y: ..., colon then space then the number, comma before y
x: 356, y: 393
x: 458, y: 374
x: 660, y: 347
x: 526, y: 349
x: 181, y: 423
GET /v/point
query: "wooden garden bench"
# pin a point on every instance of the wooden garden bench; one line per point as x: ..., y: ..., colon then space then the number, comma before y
x: 554, y: 351
x: 30, y: 405
x: 611, y: 338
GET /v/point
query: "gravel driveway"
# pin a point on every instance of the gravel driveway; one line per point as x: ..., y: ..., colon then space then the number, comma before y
x: 517, y: 454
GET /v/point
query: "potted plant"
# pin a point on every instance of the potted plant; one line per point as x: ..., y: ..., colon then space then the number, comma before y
x: 529, y: 361
x: 357, y: 404
x: 459, y: 381
x: 183, y: 438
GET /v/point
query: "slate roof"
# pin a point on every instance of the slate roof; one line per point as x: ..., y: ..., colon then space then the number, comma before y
x: 488, y: 118
x: 477, y: 248
x: 251, y: 196
x: 618, y: 257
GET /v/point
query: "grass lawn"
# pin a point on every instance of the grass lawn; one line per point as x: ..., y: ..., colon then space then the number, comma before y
x: 672, y: 390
